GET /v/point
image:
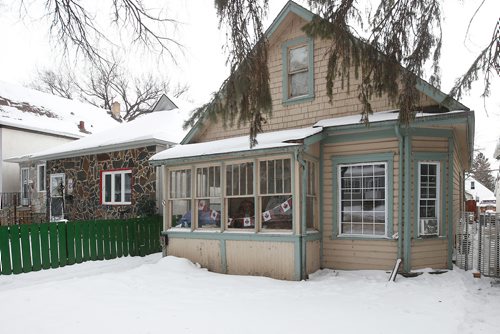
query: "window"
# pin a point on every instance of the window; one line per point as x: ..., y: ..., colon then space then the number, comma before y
x: 40, y: 181
x: 311, y: 195
x: 240, y: 196
x: 298, y: 75
x: 298, y: 68
x: 276, y: 194
x: 208, y: 194
x: 362, y: 198
x: 428, y: 201
x: 180, y: 197
x: 472, y: 185
x: 116, y: 187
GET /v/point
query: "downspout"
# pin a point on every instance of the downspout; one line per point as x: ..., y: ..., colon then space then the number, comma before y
x: 400, y: 193
x: 407, y: 183
x: 303, y: 228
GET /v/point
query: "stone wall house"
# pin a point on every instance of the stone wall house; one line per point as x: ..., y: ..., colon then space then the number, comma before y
x: 107, y: 175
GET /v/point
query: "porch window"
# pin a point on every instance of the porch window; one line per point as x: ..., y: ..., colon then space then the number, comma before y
x: 362, y: 199
x: 428, y: 198
x: 117, y: 187
x: 180, y: 198
x: 40, y: 181
x: 275, y: 194
x: 208, y: 196
x: 311, y: 195
x: 240, y: 195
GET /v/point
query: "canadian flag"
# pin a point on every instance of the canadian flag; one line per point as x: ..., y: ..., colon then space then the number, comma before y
x: 285, y: 206
x: 247, y: 222
x: 267, y: 216
x: 214, y: 214
x: 229, y: 221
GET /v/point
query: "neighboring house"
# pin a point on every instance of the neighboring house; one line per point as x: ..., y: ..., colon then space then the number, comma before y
x: 320, y: 190
x: 31, y: 120
x: 107, y: 174
x: 476, y: 190
x: 497, y: 185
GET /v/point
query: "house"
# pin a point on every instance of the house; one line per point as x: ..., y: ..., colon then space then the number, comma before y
x: 31, y: 120
x: 320, y: 190
x: 497, y: 185
x: 475, y: 190
x: 107, y: 174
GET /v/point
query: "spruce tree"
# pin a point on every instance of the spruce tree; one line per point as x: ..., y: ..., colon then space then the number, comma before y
x: 481, y: 171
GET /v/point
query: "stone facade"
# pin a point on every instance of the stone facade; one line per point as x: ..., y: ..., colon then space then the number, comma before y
x: 82, y: 198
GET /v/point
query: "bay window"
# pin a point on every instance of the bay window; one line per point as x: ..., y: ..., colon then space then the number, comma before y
x: 362, y: 199
x: 116, y: 187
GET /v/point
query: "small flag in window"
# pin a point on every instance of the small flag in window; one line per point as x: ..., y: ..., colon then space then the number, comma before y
x: 285, y: 206
x: 201, y: 205
x: 214, y: 214
x: 230, y: 222
x: 247, y: 222
x: 267, y: 216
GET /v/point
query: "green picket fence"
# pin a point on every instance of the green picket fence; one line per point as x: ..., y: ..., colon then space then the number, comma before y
x: 25, y: 248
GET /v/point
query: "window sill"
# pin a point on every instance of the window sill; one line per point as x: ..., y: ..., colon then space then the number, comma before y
x: 367, y: 238
x: 423, y: 239
x: 298, y: 99
x: 116, y: 204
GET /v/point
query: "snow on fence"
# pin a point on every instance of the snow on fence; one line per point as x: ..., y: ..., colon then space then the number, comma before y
x: 25, y: 248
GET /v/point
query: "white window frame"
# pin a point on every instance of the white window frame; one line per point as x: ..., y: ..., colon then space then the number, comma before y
x: 174, y: 194
x: 122, y: 172
x: 40, y: 177
x: 240, y: 195
x: 298, y: 71
x: 437, y: 199
x: 339, y: 200
x: 202, y: 192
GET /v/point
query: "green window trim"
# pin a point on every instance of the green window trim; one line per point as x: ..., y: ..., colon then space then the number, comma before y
x: 442, y: 159
x: 284, y: 57
x: 387, y: 158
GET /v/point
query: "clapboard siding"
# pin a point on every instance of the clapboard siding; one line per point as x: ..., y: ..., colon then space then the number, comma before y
x: 312, y: 256
x: 357, y: 254
x: 260, y: 258
x: 429, y: 254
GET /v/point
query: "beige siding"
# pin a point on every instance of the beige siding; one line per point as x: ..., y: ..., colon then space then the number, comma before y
x: 260, y: 258
x: 357, y: 254
x: 306, y: 113
x: 204, y: 252
x: 429, y: 144
x: 312, y: 256
x: 429, y: 254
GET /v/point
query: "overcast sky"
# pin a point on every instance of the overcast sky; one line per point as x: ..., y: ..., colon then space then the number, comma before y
x: 25, y: 46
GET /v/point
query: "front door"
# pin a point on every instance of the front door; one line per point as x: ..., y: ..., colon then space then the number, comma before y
x: 57, y: 182
x: 25, y: 179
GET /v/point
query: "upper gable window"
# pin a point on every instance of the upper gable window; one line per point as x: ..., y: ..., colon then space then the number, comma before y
x: 298, y: 70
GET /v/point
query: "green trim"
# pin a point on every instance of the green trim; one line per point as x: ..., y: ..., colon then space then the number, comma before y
x: 290, y: 7
x: 303, y: 225
x: 223, y: 256
x: 314, y: 139
x: 430, y: 157
x: 192, y: 132
x: 432, y: 132
x: 297, y: 254
x: 240, y: 236
x: 407, y: 185
x: 321, y: 200
x: 364, y: 134
x: 312, y: 236
x: 438, y: 96
x: 451, y: 218
x: 248, y: 154
x: 365, y: 158
x: 284, y: 61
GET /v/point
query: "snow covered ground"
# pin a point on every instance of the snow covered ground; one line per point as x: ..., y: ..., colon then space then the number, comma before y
x: 171, y: 295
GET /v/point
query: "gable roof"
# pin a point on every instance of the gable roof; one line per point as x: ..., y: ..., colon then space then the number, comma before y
x: 156, y: 128
x: 480, y: 192
x: 29, y: 109
x: 293, y: 8
x: 164, y: 103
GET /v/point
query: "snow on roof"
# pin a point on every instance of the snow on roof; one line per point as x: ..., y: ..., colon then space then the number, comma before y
x: 237, y: 144
x: 381, y: 116
x: 30, y: 109
x: 479, y: 192
x: 160, y: 127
